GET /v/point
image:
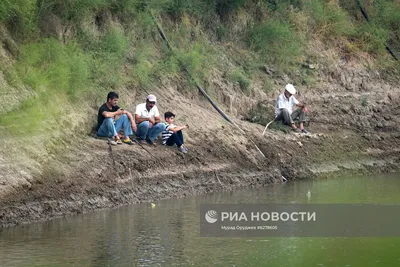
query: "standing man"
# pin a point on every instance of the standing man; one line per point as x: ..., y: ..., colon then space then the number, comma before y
x: 107, y: 127
x: 148, y: 121
x: 284, y: 109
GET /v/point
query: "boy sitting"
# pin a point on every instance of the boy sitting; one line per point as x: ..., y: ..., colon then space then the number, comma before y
x: 172, y: 134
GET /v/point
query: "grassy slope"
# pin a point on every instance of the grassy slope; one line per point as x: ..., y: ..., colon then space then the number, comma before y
x: 60, y: 58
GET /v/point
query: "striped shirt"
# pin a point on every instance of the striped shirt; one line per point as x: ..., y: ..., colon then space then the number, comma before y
x: 167, y: 133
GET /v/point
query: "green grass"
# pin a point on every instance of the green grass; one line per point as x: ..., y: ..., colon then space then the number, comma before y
x: 372, y: 38
x: 167, y: 66
x: 240, y: 78
x: 222, y: 32
x: 51, y: 66
x: 58, y: 75
x: 63, y: 74
x: 364, y: 101
x: 329, y: 19
x: 72, y: 10
x: 143, y: 63
x: 198, y: 59
x: 20, y: 16
x: 108, y: 55
x: 276, y: 42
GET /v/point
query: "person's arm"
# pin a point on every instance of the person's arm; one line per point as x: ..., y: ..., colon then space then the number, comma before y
x: 178, y: 128
x: 109, y: 114
x: 139, y: 119
x: 133, y: 124
x: 297, y: 103
x: 157, y: 117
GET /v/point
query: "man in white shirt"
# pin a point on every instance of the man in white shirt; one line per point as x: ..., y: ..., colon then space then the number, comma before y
x: 284, y: 109
x: 148, y: 121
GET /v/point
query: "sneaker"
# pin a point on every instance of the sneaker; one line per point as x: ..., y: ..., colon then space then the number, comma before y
x: 182, y: 149
x: 128, y: 141
x: 185, y: 147
x: 118, y: 141
x: 142, y: 142
x: 304, y: 131
x: 112, y: 142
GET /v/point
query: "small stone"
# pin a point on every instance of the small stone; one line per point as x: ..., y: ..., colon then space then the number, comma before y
x: 376, y: 109
x: 268, y: 70
x: 300, y: 144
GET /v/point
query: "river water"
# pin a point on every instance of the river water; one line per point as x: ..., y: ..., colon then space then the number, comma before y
x: 168, y: 234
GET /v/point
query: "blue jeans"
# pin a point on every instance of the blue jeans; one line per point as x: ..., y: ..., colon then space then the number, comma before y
x: 144, y: 132
x: 108, y: 129
x: 175, y: 138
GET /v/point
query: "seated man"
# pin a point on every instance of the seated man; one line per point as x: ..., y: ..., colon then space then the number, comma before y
x: 148, y: 121
x: 172, y: 134
x: 284, y: 109
x: 106, y: 127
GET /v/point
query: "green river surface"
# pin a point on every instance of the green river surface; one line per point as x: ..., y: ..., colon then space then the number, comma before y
x: 168, y: 234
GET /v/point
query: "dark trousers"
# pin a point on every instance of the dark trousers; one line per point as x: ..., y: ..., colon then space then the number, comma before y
x: 175, y: 138
x: 288, y: 119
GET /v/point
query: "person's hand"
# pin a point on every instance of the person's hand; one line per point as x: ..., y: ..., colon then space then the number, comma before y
x: 305, y: 109
x: 151, y: 125
x: 134, y: 128
x: 187, y: 126
x: 152, y: 121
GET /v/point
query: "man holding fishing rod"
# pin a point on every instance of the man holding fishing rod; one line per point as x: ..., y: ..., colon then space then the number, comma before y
x: 284, y: 109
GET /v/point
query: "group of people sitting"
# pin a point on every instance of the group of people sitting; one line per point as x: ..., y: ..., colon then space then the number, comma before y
x: 146, y: 124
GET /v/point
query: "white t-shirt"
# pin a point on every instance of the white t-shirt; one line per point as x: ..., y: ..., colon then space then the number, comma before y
x: 283, y: 102
x: 144, y: 113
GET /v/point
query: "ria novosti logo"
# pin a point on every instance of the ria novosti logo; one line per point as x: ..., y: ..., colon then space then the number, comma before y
x: 301, y: 216
x: 211, y: 216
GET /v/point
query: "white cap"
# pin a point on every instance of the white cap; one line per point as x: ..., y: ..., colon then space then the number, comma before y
x: 290, y: 88
x: 151, y: 98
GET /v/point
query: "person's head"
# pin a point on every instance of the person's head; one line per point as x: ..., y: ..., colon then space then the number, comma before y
x: 290, y: 90
x: 112, y: 98
x: 169, y: 117
x: 151, y: 101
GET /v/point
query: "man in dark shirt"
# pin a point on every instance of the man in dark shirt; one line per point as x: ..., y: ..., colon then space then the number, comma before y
x: 105, y: 121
